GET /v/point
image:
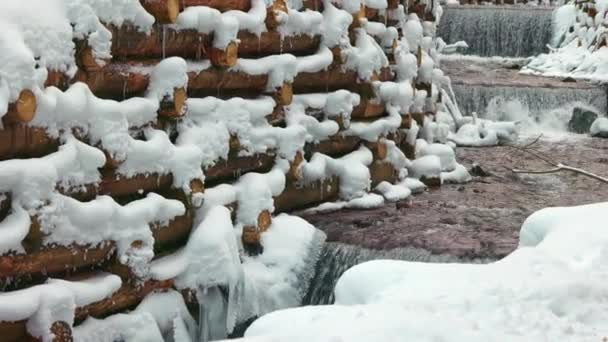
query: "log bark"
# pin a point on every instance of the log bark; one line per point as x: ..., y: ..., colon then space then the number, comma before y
x: 22, y: 141
x: 23, y: 109
x: 165, y: 11
x: 381, y: 171
x: 221, y: 5
x: 336, y: 146
x: 252, y: 235
x: 272, y: 43
x: 224, y: 58
x: 127, y: 297
x: 52, y: 260
x: 227, y: 170
x: 129, y: 43
x: 368, y: 109
x: 336, y: 78
x: 161, y: 42
x: 296, y: 196
x: 294, y: 173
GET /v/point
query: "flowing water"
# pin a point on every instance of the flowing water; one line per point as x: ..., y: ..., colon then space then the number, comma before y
x: 336, y: 258
x: 538, y: 109
x: 508, y: 31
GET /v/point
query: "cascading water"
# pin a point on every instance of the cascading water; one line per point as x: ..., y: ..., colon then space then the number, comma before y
x: 337, y: 258
x: 498, y: 31
x: 538, y: 109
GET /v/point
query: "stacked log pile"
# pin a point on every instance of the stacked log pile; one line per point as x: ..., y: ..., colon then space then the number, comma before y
x: 108, y: 171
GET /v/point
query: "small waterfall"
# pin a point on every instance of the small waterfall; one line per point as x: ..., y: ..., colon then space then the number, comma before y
x: 336, y: 258
x: 540, y: 109
x: 498, y: 31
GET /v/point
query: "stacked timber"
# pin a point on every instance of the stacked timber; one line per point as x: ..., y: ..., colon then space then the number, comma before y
x: 145, y: 169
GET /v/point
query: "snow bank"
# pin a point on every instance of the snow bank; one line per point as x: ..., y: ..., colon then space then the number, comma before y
x: 551, y: 288
x: 582, y: 51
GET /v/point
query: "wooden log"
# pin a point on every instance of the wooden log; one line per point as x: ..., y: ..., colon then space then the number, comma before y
x: 224, y: 58
x: 53, y: 259
x: 165, y: 11
x: 119, y: 80
x: 272, y: 22
x: 294, y: 173
x: 368, y: 109
x: 379, y: 149
x: 283, y: 95
x: 272, y: 43
x: 251, y: 236
x: 221, y: 5
x: 127, y: 297
x: 335, y: 78
x: 174, y: 234
x: 227, y: 170
x: 165, y: 41
x: 22, y: 141
x: 62, y: 332
x: 336, y: 146
x: 297, y: 196
x: 381, y: 171
x: 23, y: 109
x: 128, y: 42
x: 175, y: 106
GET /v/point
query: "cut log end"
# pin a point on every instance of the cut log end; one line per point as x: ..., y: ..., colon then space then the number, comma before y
x: 24, y: 109
x: 272, y: 21
x: 173, y: 108
x: 379, y: 150
x: 264, y: 221
x: 164, y: 11
x: 295, y: 172
x: 224, y: 58
x: 284, y: 94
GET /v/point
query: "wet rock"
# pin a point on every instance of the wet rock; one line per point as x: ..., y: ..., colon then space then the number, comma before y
x: 581, y: 120
x: 478, y: 171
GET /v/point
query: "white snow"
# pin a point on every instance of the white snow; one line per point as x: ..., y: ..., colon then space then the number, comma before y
x: 551, y: 288
x: 599, y: 127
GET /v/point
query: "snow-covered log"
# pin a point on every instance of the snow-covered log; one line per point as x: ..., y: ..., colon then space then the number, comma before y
x: 221, y: 5
x: 296, y: 196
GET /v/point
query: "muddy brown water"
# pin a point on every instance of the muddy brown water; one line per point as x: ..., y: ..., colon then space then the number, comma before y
x: 480, y: 219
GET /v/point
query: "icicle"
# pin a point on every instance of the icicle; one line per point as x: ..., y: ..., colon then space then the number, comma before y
x: 164, y: 39
x: 213, y: 313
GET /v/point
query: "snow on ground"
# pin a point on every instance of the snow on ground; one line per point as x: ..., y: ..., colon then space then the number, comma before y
x: 552, y: 288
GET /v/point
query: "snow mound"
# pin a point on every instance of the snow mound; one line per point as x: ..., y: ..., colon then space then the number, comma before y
x: 552, y: 288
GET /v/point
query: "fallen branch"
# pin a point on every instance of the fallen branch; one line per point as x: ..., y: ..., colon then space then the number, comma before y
x: 557, y: 166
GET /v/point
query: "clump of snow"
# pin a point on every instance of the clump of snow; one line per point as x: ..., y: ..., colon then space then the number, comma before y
x: 352, y: 171
x: 133, y: 327
x: 428, y: 167
x: 599, y: 127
